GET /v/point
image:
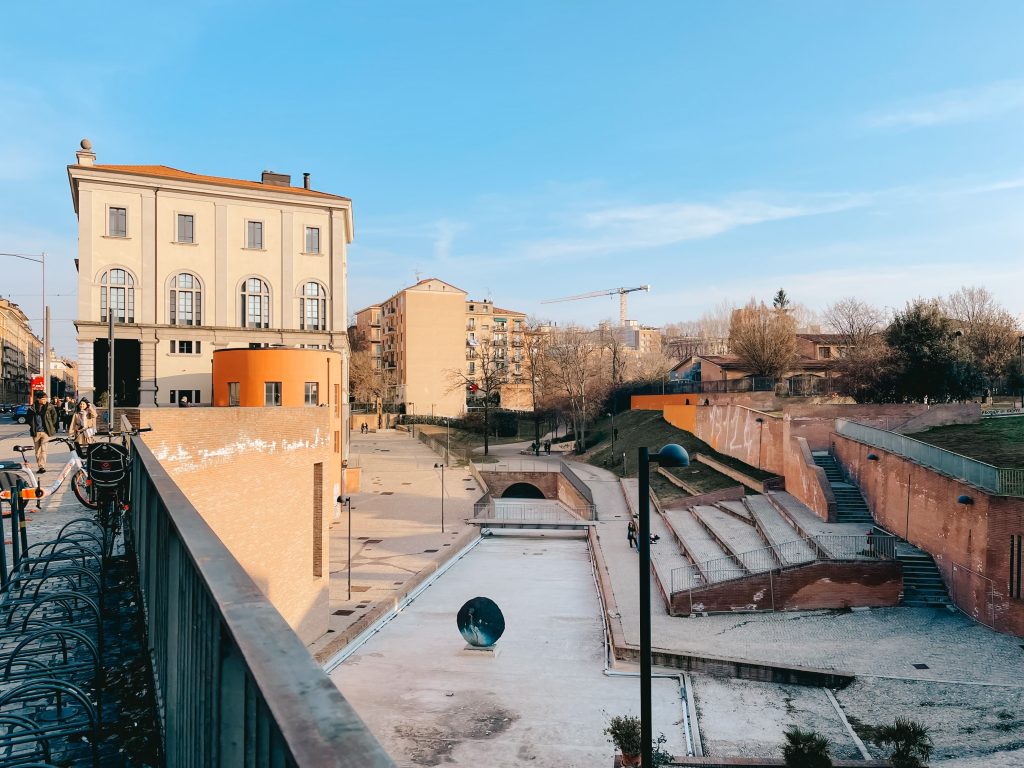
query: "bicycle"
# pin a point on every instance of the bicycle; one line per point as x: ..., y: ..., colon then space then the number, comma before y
x: 108, y: 469
x: 11, y: 470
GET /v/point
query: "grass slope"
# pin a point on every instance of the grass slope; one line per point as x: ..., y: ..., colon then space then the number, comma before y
x: 648, y: 428
x: 994, y: 441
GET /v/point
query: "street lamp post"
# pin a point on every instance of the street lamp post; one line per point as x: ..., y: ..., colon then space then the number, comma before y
x: 441, y: 467
x: 346, y: 501
x: 671, y: 455
x: 448, y: 440
x: 41, y: 260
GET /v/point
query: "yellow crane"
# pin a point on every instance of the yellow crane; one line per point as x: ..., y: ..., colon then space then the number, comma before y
x: 623, y: 305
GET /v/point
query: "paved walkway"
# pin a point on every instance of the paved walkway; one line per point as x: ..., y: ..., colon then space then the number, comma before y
x: 885, y: 642
x: 396, y: 528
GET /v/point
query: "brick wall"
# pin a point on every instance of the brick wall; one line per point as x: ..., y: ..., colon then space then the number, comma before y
x: 818, y: 585
x: 250, y: 473
x: 807, y: 481
x: 499, y: 482
x: 970, y: 542
x: 735, y: 431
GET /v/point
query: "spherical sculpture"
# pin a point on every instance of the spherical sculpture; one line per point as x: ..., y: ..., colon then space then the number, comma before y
x: 480, y: 622
x: 86, y: 145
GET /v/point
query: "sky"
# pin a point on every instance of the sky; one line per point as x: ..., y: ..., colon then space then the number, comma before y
x: 536, y: 150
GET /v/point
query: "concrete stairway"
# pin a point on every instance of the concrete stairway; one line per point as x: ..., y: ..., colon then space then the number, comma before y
x: 922, y: 584
x: 850, y: 505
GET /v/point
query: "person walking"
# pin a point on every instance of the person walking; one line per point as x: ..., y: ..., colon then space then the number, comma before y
x: 83, y: 424
x: 183, y: 402
x: 631, y: 533
x: 547, y: 447
x: 42, y: 425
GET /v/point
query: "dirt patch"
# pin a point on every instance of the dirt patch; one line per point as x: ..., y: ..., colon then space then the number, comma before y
x: 473, y: 718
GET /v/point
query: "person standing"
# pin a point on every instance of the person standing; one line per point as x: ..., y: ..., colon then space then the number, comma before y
x: 68, y: 412
x: 183, y: 402
x: 631, y: 533
x: 42, y: 425
x: 83, y: 423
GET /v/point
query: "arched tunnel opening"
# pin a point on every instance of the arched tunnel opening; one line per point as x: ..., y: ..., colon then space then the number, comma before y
x: 523, y: 491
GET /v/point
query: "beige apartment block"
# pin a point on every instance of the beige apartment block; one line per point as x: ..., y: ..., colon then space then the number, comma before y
x: 429, y: 336
x: 20, y: 353
x: 189, y: 264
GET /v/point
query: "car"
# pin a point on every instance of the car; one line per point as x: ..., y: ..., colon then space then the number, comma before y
x: 20, y: 414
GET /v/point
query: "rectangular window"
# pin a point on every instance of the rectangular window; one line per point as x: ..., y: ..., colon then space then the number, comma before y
x: 118, y: 222
x: 195, y: 396
x: 174, y: 397
x: 254, y: 235
x: 312, y: 393
x: 318, y: 519
x: 1016, y: 567
x: 472, y: 367
x: 272, y: 393
x: 234, y: 393
x: 186, y: 233
x: 312, y: 239
x: 337, y: 441
x: 184, y: 347
x: 824, y: 353
x: 337, y: 400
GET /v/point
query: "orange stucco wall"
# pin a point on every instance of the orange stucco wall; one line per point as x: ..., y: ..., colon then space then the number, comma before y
x: 251, y: 368
x: 658, y: 402
x: 682, y: 417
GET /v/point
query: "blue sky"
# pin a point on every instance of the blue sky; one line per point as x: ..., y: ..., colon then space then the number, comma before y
x: 542, y: 149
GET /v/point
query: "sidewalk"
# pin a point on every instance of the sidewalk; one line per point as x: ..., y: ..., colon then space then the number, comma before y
x: 884, y: 642
x: 396, y: 530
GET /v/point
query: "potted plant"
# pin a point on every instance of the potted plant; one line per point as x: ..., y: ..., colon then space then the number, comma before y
x: 624, y: 731
x: 806, y: 749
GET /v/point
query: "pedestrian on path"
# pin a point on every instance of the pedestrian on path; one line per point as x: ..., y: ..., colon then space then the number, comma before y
x: 67, y: 412
x: 83, y: 424
x: 547, y: 447
x: 631, y: 533
x: 42, y: 425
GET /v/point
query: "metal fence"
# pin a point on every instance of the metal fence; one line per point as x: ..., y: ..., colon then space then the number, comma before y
x: 1003, y: 482
x: 834, y: 547
x: 529, y: 511
x: 235, y: 686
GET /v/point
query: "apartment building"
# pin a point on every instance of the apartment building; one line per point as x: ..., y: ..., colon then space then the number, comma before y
x: 20, y: 353
x: 428, y: 341
x: 188, y: 264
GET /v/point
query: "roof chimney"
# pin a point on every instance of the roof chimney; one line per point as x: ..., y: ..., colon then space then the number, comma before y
x: 85, y: 155
x: 276, y: 179
x: 305, y: 181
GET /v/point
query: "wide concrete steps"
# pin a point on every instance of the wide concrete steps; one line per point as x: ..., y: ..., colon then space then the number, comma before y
x: 699, y: 544
x: 792, y: 550
x: 740, y: 539
x: 737, y: 508
x: 922, y: 582
x: 665, y: 555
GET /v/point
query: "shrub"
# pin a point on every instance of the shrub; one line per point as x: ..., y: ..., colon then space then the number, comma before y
x: 908, y: 741
x: 806, y: 749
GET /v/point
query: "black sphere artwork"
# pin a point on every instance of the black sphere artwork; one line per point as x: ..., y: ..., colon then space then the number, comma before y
x: 480, y: 622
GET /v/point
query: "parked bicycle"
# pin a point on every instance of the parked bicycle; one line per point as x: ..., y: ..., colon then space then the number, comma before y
x: 108, y: 470
x: 10, y: 471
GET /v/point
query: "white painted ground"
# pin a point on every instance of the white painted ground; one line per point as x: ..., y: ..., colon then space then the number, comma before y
x: 543, y: 701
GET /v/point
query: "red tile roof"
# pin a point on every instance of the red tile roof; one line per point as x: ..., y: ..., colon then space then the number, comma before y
x: 166, y: 172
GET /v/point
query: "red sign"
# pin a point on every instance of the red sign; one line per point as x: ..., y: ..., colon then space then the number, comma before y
x: 37, y: 383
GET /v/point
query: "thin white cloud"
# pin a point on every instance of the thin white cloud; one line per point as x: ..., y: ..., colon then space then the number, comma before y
x: 958, y: 106
x: 444, y: 238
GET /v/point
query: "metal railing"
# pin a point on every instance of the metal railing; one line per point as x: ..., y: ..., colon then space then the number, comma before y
x: 1003, y: 482
x: 581, y: 487
x: 833, y: 547
x: 235, y: 685
x: 529, y: 511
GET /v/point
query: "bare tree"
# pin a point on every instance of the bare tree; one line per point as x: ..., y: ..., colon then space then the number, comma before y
x: 484, y: 384
x: 613, y: 342
x: 653, y: 366
x: 854, y: 321
x: 575, y: 356
x: 990, y: 334
x: 539, y: 371
x: 763, y: 339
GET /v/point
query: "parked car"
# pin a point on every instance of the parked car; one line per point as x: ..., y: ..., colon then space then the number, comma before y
x: 20, y: 414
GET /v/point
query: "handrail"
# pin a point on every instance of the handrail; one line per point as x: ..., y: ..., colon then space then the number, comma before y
x: 1002, y: 481
x: 824, y: 546
x: 235, y: 685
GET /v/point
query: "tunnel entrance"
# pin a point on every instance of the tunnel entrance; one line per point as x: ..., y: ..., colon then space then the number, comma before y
x: 522, y: 491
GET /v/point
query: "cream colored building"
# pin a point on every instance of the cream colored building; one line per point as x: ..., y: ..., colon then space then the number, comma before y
x: 20, y: 353
x: 427, y: 340
x: 190, y: 264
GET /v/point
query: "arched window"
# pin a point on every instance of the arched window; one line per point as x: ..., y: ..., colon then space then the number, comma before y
x: 186, y: 305
x: 255, y: 303
x: 117, y: 290
x: 313, y: 307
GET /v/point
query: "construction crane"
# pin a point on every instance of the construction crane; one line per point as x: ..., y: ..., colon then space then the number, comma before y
x: 623, y: 303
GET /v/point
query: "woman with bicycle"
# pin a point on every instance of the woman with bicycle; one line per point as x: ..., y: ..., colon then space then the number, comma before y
x: 83, y: 424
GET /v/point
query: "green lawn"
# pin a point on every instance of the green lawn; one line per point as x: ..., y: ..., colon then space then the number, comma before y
x: 994, y: 441
x: 648, y: 428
